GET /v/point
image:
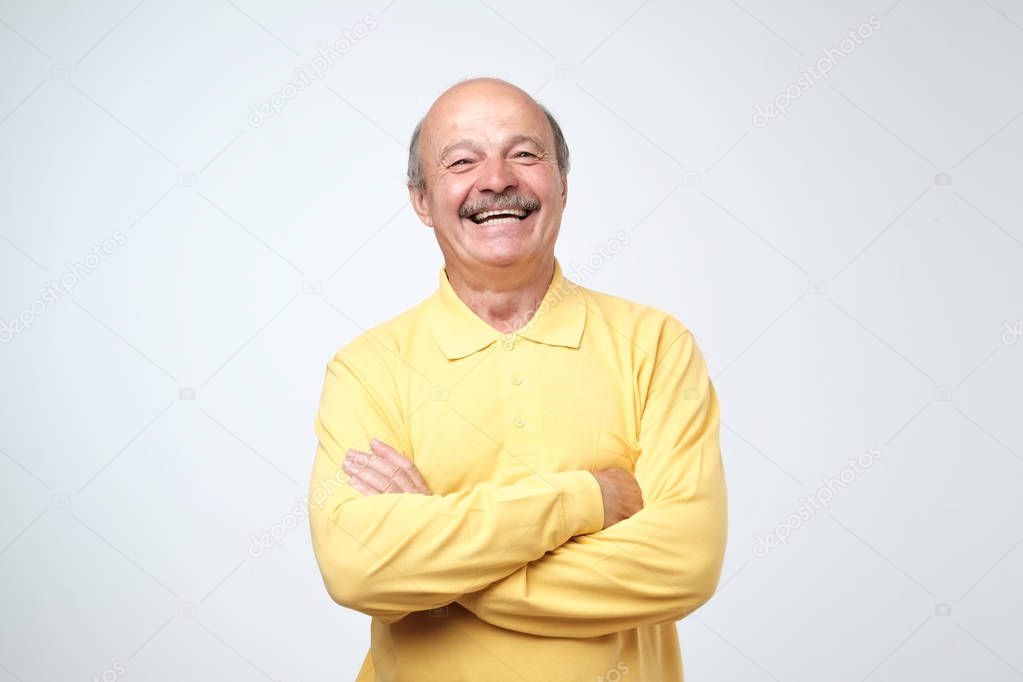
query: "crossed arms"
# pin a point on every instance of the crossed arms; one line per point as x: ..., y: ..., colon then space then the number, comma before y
x: 533, y: 556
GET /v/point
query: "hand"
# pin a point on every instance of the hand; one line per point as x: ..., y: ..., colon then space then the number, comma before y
x: 621, y: 493
x: 383, y: 470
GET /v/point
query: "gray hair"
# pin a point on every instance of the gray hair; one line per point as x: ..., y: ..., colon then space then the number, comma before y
x: 417, y: 179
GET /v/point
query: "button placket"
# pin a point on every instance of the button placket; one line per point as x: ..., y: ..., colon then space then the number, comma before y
x: 508, y: 341
x: 518, y: 407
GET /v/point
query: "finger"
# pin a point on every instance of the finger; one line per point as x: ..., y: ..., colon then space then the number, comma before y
x: 388, y: 453
x: 417, y: 479
x: 353, y: 469
x: 370, y: 462
x: 362, y: 486
x: 410, y: 469
x: 378, y: 482
x: 370, y: 480
x: 401, y: 468
x: 354, y: 480
x: 384, y: 477
x: 384, y: 465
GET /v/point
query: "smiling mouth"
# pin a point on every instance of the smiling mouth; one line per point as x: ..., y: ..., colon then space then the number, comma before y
x: 500, y: 216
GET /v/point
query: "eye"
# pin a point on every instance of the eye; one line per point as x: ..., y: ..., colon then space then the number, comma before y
x: 460, y: 161
x: 527, y: 154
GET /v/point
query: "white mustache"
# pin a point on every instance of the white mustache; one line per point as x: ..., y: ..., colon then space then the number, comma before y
x: 520, y: 202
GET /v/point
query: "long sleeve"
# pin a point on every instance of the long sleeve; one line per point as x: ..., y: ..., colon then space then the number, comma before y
x: 663, y: 562
x: 392, y: 554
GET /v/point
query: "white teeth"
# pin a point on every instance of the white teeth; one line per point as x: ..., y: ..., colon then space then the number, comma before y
x: 500, y: 221
x: 483, y: 215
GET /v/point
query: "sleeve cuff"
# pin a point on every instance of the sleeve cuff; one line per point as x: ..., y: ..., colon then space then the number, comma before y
x: 581, y: 503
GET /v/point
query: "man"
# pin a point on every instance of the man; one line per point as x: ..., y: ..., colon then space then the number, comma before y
x: 518, y: 478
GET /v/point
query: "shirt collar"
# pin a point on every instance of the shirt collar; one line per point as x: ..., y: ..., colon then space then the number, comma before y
x: 558, y: 321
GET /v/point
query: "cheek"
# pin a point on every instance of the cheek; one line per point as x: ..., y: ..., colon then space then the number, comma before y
x: 452, y: 194
x: 544, y: 183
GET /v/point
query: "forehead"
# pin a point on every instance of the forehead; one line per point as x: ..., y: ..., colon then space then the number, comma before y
x: 486, y: 118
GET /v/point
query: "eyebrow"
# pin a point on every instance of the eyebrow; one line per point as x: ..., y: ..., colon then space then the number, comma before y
x: 472, y: 144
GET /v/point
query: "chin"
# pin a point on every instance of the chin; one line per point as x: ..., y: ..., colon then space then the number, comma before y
x: 502, y: 258
x: 502, y: 251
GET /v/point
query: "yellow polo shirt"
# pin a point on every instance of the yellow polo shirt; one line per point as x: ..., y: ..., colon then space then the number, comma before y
x: 504, y: 572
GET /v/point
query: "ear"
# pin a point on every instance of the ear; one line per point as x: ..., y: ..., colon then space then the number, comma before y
x: 418, y: 201
x: 564, y: 191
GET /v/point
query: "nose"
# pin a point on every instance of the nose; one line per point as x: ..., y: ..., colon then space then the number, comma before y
x: 496, y: 176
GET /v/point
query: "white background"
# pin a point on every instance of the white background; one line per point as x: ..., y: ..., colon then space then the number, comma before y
x: 851, y: 271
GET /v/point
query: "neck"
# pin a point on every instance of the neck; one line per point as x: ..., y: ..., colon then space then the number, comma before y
x: 504, y: 298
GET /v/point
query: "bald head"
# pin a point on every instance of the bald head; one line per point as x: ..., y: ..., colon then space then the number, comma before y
x: 464, y: 93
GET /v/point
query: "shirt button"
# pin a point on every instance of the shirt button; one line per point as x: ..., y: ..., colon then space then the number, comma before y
x: 520, y: 422
x: 508, y: 345
x: 516, y: 379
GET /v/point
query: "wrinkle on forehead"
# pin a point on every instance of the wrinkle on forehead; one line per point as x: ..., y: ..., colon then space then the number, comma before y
x: 462, y: 104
